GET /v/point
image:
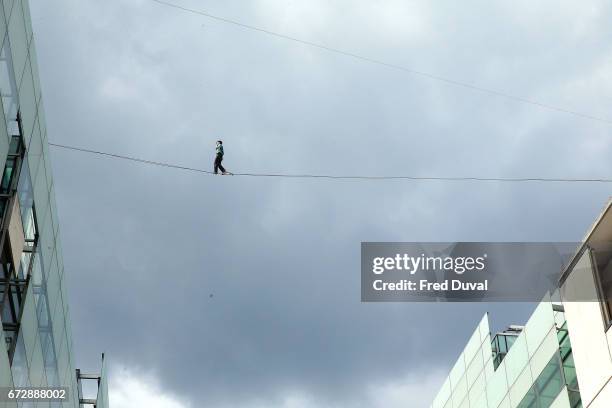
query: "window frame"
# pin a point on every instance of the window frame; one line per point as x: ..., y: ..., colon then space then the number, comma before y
x: 604, y: 304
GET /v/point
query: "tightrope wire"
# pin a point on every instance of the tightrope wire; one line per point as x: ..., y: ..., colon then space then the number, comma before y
x: 338, y: 177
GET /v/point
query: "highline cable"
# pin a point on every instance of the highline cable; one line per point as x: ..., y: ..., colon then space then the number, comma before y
x: 338, y: 177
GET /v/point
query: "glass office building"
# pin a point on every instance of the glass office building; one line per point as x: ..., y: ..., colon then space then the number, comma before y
x: 561, y: 358
x: 530, y: 366
x: 36, y: 332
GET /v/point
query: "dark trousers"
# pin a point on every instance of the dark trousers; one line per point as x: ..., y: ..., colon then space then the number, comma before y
x: 218, y: 165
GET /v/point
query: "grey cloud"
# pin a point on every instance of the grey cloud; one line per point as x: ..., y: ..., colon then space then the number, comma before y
x: 144, y: 247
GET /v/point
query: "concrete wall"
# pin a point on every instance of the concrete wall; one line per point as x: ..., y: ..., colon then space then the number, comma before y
x: 591, y: 344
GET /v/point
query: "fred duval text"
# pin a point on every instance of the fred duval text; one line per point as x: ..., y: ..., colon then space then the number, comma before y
x: 427, y: 286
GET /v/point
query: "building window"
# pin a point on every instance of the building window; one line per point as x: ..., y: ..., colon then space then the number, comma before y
x: 17, y: 242
x: 501, y: 344
x: 8, y: 87
x: 601, y: 259
x: 12, y: 295
x: 546, y: 387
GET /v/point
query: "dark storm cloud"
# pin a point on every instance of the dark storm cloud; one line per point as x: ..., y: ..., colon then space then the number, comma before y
x: 145, y: 247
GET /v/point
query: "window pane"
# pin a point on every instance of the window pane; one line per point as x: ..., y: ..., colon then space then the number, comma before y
x: 539, y: 325
x: 19, y: 366
x: 517, y: 358
x: 549, y: 383
x: 522, y: 387
x: 497, y: 386
x: 8, y: 88
x: 529, y: 401
x: 7, y: 177
x: 15, y: 145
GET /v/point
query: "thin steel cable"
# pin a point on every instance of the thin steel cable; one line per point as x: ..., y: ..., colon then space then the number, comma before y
x: 349, y: 177
x: 389, y: 65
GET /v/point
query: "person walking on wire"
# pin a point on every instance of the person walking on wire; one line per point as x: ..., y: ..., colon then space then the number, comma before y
x: 219, y: 159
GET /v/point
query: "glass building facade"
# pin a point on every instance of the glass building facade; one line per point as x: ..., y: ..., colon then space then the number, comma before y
x: 529, y: 366
x: 36, y: 332
x: 562, y: 357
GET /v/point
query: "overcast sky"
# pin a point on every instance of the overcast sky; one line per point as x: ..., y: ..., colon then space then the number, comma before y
x: 146, y: 247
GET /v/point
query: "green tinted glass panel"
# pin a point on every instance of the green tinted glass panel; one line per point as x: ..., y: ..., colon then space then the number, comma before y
x: 8, y: 175
x: 546, y: 387
x: 529, y: 401
x: 569, y: 369
x: 15, y: 145
x: 550, y: 382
